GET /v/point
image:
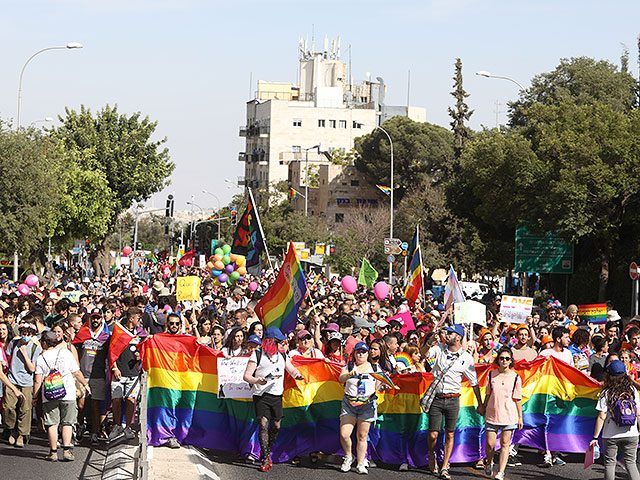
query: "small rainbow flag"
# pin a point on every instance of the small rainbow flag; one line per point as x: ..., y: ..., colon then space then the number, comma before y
x: 294, y: 194
x: 385, y: 190
x: 384, y: 378
x: 594, y: 313
x: 404, y: 358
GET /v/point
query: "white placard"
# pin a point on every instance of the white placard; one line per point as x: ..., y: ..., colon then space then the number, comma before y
x: 515, y: 309
x: 470, y: 312
x: 230, y: 382
x: 202, y: 261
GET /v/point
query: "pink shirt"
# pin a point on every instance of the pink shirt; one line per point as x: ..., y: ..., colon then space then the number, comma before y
x: 503, y: 389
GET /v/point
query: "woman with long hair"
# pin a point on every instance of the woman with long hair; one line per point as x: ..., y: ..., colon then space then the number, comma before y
x: 378, y: 355
x: 617, y: 387
x: 204, y: 331
x: 236, y: 343
x: 217, y: 336
x: 6, y: 335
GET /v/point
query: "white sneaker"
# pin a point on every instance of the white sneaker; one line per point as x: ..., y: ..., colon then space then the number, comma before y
x: 346, y: 464
x: 362, y: 469
x: 499, y: 476
x: 404, y: 467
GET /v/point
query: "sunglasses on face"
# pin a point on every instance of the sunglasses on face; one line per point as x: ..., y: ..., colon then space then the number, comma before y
x: 174, y: 323
x: 504, y: 359
x: 305, y: 338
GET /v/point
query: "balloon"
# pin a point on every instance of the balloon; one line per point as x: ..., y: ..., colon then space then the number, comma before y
x: 23, y: 289
x: 223, y: 278
x: 215, y: 272
x: 381, y: 290
x: 218, y: 251
x: 226, y: 249
x: 31, y: 280
x: 126, y: 251
x: 209, y: 266
x: 233, y: 257
x: 216, y: 282
x: 226, y: 260
x: 242, y: 270
x: 240, y: 260
x: 241, y: 278
x: 212, y: 258
x: 349, y: 284
x: 253, y: 286
x: 217, y: 257
x: 234, y: 276
x: 228, y: 268
x: 219, y: 265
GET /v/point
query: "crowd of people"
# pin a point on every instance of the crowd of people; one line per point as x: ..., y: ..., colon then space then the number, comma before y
x: 61, y: 377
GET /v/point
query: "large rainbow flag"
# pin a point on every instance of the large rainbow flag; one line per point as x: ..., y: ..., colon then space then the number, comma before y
x: 559, y: 408
x: 279, y: 306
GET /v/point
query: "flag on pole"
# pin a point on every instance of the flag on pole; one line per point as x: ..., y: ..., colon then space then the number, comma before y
x: 187, y: 259
x: 452, y: 290
x: 414, y: 284
x: 120, y: 339
x: 294, y: 194
x: 385, y: 190
x: 279, y: 306
x: 368, y: 275
x: 413, y: 247
x: 175, y: 269
x: 247, y: 240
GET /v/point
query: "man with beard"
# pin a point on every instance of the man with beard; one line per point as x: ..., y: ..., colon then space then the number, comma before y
x: 449, y: 363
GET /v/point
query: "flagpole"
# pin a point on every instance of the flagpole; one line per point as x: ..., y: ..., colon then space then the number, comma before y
x: 424, y: 297
x: 264, y: 239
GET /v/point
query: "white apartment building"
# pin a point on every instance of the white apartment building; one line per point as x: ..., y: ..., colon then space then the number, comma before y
x: 287, y: 122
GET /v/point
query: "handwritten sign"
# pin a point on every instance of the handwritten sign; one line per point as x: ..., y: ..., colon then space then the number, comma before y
x: 188, y: 288
x: 515, y: 309
x: 230, y: 382
x: 593, y: 313
x: 72, y: 296
x: 470, y: 312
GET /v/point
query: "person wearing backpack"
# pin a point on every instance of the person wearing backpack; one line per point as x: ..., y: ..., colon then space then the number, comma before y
x: 502, y: 409
x: 56, y: 372
x: 618, y: 420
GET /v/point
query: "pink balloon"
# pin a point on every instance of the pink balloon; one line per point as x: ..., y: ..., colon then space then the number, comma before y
x: 349, y: 284
x: 253, y: 286
x: 23, y: 289
x: 381, y: 290
x: 31, y: 280
x: 126, y: 251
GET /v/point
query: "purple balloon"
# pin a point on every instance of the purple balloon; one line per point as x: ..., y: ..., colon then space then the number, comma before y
x: 229, y: 268
x: 223, y: 277
x: 240, y: 278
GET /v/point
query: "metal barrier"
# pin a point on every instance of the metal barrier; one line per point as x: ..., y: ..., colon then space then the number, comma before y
x: 142, y: 460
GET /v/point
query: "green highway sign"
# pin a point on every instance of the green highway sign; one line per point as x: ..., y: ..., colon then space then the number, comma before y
x: 542, y: 253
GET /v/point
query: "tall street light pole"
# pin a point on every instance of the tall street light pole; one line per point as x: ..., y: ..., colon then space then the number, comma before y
x: 484, y: 73
x: 193, y: 223
x: 217, y: 213
x: 69, y: 46
x: 390, y: 198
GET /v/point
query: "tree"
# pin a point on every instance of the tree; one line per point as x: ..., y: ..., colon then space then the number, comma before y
x: 114, y: 152
x: 461, y: 113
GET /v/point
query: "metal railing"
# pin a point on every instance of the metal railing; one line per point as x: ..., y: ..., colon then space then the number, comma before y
x: 143, y: 444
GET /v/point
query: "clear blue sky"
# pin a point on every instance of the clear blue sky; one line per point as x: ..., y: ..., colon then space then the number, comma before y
x: 187, y: 63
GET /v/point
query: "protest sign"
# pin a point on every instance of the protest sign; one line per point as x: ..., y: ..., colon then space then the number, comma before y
x: 470, y: 312
x: 230, y: 382
x: 72, y: 296
x: 188, y: 288
x: 515, y: 309
x: 593, y: 313
x: 202, y: 261
x: 406, y: 320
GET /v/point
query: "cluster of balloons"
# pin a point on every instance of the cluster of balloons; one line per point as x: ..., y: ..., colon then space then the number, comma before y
x: 226, y: 268
x: 349, y: 285
x: 25, y: 288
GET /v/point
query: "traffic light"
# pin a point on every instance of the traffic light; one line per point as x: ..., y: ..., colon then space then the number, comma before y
x: 86, y: 243
x: 169, y: 208
x: 138, y: 246
x: 166, y: 227
x: 234, y: 216
x: 331, y: 249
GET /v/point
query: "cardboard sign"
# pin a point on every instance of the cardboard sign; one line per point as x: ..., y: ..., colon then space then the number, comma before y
x: 72, y: 296
x: 188, y: 288
x: 470, y: 312
x: 515, y: 309
x: 230, y: 382
x: 593, y: 313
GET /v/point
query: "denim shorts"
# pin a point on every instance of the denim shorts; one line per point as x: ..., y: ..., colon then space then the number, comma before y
x: 367, y: 412
x: 490, y: 427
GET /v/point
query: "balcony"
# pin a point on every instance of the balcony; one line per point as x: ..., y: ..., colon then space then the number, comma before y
x: 255, y: 131
x: 241, y: 181
x: 243, y: 131
x: 242, y: 156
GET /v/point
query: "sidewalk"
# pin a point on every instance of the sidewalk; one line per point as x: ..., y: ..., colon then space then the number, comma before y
x: 185, y: 463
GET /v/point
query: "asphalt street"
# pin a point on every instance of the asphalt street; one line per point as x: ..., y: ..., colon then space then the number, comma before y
x: 231, y: 466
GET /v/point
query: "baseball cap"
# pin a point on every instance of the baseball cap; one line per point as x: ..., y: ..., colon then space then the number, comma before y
x: 302, y: 333
x: 254, y: 339
x: 382, y: 324
x: 428, y: 292
x: 616, y: 368
x: 361, y: 346
x: 274, y: 332
x: 331, y: 327
x: 440, y: 307
x: 95, y: 312
x: 360, y: 322
x: 335, y: 336
x: 459, y: 329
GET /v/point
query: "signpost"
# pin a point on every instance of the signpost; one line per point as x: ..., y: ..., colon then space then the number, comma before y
x: 633, y: 273
x: 392, y: 246
x: 391, y: 259
x: 542, y: 253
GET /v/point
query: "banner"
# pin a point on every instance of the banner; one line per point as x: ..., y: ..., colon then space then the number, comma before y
x: 188, y: 288
x: 515, y: 309
x: 593, y: 313
x: 470, y: 312
x: 230, y: 382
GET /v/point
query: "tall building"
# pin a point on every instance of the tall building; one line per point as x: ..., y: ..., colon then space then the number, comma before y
x: 324, y: 112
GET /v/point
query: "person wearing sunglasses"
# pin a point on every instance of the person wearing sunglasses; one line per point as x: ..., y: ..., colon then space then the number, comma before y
x: 174, y: 324
x: 304, y: 346
x: 502, y: 409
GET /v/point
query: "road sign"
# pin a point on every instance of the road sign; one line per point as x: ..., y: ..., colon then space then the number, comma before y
x: 391, y: 259
x: 633, y: 271
x: 542, y: 253
x: 404, y: 246
x: 392, y: 246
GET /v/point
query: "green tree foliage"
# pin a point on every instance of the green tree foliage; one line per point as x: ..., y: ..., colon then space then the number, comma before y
x: 461, y: 113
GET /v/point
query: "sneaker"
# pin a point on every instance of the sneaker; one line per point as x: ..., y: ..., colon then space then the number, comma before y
x: 346, y: 464
x: 499, y: 476
x: 558, y: 461
x: 479, y: 464
x: 362, y: 469
x: 513, y: 450
x: 12, y: 439
x: 67, y: 456
x: 548, y: 461
x: 369, y: 463
x: 94, y: 439
x: 129, y: 434
x: 404, y: 467
x: 19, y: 442
x: 513, y: 461
x: 488, y: 469
x: 102, y: 436
x: 172, y: 443
x: 52, y: 457
x: 116, y: 432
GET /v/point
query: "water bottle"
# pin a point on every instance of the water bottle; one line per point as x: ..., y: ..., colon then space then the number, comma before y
x: 596, y: 451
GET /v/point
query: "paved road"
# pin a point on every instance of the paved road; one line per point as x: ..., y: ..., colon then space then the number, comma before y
x: 231, y: 467
x: 29, y: 464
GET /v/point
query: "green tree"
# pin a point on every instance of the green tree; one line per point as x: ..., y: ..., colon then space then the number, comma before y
x: 461, y: 113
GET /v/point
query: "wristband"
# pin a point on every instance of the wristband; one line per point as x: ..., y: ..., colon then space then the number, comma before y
x: 595, y: 438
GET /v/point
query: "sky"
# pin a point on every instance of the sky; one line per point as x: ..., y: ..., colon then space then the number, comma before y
x: 187, y: 64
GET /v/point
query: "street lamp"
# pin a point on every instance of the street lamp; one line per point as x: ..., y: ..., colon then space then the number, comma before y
x: 230, y: 182
x: 218, y: 212
x: 193, y: 204
x: 69, y: 46
x: 45, y: 119
x: 484, y: 73
x: 390, y: 198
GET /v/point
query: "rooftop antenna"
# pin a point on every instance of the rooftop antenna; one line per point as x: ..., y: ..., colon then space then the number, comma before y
x: 338, y: 52
x: 313, y: 39
x: 325, y: 48
x: 333, y: 49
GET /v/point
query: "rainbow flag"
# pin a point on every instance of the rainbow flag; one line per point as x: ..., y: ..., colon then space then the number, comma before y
x: 594, y: 313
x: 414, y: 285
x: 384, y: 378
x: 452, y: 290
x: 120, y: 339
x: 385, y: 190
x: 294, y: 194
x: 558, y: 404
x: 175, y: 269
x: 279, y: 306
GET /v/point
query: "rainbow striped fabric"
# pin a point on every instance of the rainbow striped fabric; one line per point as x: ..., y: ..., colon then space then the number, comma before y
x: 385, y: 190
x: 414, y: 285
x: 559, y: 408
x: 279, y: 306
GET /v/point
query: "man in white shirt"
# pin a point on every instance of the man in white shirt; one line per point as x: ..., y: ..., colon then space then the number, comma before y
x: 236, y: 301
x: 561, y: 341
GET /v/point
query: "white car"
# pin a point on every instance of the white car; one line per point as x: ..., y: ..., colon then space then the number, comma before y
x: 474, y: 289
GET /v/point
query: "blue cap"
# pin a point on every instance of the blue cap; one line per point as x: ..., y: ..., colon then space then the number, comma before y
x: 616, y: 368
x: 12, y: 285
x: 459, y: 329
x: 361, y: 346
x: 440, y: 307
x: 274, y: 332
x: 255, y: 339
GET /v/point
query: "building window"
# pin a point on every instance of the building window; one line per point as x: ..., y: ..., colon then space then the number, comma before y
x: 296, y: 149
x: 343, y: 124
x: 297, y: 122
x: 356, y: 124
x: 339, y: 217
x: 355, y: 183
x: 332, y: 124
x: 321, y: 123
